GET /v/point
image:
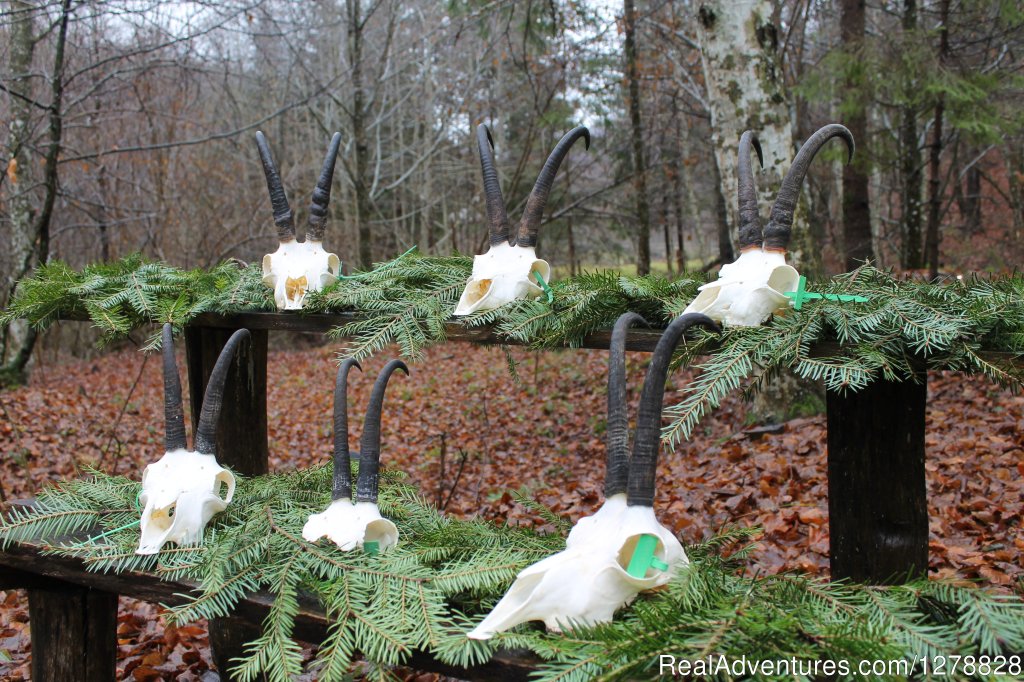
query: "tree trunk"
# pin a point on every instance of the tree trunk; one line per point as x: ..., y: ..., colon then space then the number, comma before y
x: 910, y: 163
x: 676, y: 174
x: 739, y: 49
x: 356, y: 24
x: 643, y: 251
x: 935, y: 156
x: 15, y: 371
x: 18, y: 256
x: 856, y: 209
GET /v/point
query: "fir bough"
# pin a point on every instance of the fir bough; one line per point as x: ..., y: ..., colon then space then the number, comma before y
x: 445, y: 574
x: 902, y: 329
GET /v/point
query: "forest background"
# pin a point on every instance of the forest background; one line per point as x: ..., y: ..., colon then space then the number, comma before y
x: 130, y: 124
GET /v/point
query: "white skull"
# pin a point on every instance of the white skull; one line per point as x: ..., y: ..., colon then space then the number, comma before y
x: 350, y: 526
x: 181, y: 492
x: 503, y: 274
x: 587, y: 582
x: 297, y: 268
x: 748, y: 290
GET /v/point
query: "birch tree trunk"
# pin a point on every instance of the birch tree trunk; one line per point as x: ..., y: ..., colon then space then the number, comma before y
x: 18, y: 256
x: 744, y: 80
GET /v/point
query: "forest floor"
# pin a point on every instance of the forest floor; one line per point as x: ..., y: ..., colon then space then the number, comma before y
x: 544, y: 434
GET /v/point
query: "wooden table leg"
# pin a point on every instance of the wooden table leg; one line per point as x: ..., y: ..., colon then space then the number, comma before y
x: 877, y: 502
x: 74, y: 633
x: 241, y: 441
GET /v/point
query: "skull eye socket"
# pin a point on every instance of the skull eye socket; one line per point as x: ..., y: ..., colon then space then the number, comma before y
x: 222, y: 489
x: 477, y: 290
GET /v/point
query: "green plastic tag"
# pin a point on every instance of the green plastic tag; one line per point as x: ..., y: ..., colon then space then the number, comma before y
x: 801, y: 294
x: 643, y: 557
x: 372, y: 547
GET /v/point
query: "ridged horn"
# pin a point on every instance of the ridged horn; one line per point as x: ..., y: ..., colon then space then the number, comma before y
x: 367, y: 485
x: 534, y: 211
x: 616, y: 476
x: 780, y: 223
x: 643, y: 464
x: 342, y: 485
x: 497, y: 216
x: 750, y: 236
x: 278, y: 200
x: 174, y: 414
x: 206, y: 431
x: 322, y: 193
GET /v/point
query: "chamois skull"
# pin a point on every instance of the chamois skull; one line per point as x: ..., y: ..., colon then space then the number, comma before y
x: 590, y: 579
x: 297, y: 268
x: 183, y: 490
x: 351, y: 525
x: 753, y: 287
x: 506, y: 271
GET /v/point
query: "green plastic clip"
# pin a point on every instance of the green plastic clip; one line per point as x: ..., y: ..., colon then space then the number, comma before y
x: 371, y: 547
x: 801, y: 294
x: 643, y: 557
x: 544, y: 286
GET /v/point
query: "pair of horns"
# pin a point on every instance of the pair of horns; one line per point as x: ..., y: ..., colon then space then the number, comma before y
x: 775, y: 237
x: 174, y: 416
x: 635, y: 475
x: 368, y: 484
x: 497, y: 216
x: 283, y: 217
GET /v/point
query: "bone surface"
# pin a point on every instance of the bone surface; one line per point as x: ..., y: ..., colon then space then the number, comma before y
x: 588, y: 581
x: 510, y: 269
x: 353, y: 525
x: 184, y: 489
x: 753, y: 287
x: 181, y: 492
x: 350, y: 526
x: 298, y: 268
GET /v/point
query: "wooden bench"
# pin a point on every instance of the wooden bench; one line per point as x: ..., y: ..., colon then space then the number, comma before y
x: 877, y: 507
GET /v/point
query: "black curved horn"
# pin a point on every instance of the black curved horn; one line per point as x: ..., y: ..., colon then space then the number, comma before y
x: 534, y: 211
x: 497, y: 217
x: 644, y: 463
x: 616, y: 476
x: 278, y: 200
x: 342, y: 485
x: 780, y: 223
x: 206, y: 431
x: 750, y: 236
x: 174, y: 414
x: 322, y: 193
x: 369, y: 445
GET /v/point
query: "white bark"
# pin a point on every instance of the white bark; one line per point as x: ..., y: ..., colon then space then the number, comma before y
x: 745, y: 90
x: 19, y: 178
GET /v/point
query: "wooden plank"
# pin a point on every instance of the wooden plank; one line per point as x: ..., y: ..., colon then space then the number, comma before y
x: 639, y: 339
x: 242, y: 431
x: 25, y: 561
x: 241, y: 439
x: 877, y: 501
x: 74, y: 632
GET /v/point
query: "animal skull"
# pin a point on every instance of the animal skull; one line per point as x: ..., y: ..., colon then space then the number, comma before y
x: 181, y: 492
x: 509, y: 269
x: 297, y: 268
x: 348, y: 525
x: 589, y: 580
x: 753, y: 287
x: 184, y: 489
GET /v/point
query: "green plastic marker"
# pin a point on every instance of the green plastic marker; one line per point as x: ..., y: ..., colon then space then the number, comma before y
x: 544, y: 286
x: 643, y: 557
x: 371, y: 547
x: 801, y: 294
